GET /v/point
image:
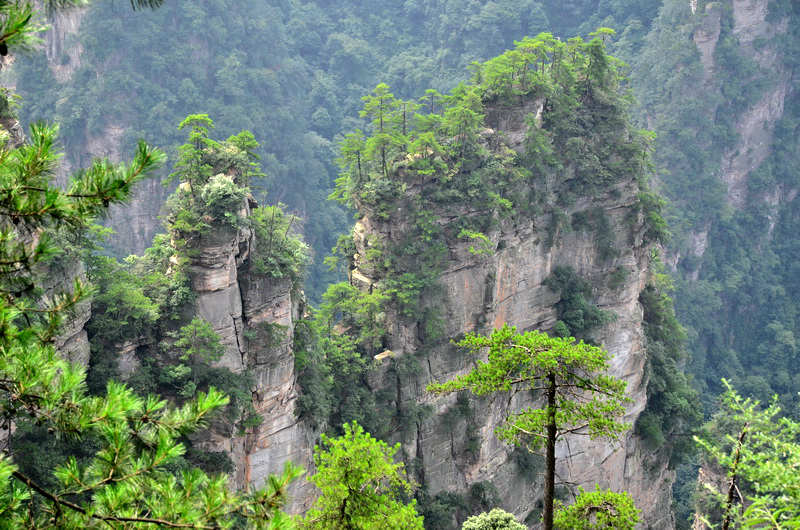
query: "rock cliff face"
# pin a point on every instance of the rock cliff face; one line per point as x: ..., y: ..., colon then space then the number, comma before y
x: 136, y: 223
x: 73, y: 341
x: 759, y: 39
x: 254, y: 315
x: 61, y: 45
x: 477, y: 292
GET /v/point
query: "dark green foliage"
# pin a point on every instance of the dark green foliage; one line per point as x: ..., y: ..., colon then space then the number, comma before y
x: 352, y: 398
x: 238, y: 387
x: 111, y: 454
x: 38, y: 454
x: 313, y: 372
x: 683, y: 492
x: 292, y: 72
x: 483, y: 496
x: 527, y: 462
x: 598, y: 221
x: 210, y: 461
x: 650, y: 206
x: 441, y: 509
x: 147, y: 297
x: 280, y: 251
x: 320, y: 59
x: 195, y: 345
x: 584, y: 121
x: 737, y: 299
x: 239, y: 67
x: 673, y: 409
x: 445, y: 151
x: 618, y: 277
x: 576, y: 316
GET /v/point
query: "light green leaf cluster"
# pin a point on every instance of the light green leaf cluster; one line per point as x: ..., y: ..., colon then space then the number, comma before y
x: 214, y: 179
x: 483, y: 245
x: 361, y: 485
x: 222, y: 196
x: 596, y: 510
x: 496, y: 519
x: 198, y: 340
x: 763, y: 456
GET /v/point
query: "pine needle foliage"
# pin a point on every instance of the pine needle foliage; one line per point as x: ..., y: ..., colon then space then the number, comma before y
x: 362, y: 487
x: 578, y: 398
x: 128, y: 482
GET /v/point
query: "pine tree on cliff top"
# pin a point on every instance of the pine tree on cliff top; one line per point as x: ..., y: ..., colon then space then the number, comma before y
x: 128, y: 483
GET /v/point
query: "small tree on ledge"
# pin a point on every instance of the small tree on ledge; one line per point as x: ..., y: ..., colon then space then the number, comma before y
x: 578, y: 398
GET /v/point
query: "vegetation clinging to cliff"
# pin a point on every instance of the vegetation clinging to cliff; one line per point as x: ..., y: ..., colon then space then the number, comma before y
x: 443, y: 139
x: 579, y: 398
x: 129, y: 441
x: 148, y: 297
x: 422, y: 160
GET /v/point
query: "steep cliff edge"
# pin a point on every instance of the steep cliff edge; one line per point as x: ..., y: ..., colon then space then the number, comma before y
x: 475, y: 293
x: 254, y: 315
x: 543, y: 198
x: 214, y: 302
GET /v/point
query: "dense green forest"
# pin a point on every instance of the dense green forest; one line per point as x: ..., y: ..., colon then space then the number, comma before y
x: 301, y: 76
x: 292, y: 73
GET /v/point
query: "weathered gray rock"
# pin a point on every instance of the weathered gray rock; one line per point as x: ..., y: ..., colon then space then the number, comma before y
x: 254, y: 315
x: 58, y: 277
x: 62, y: 48
x: 479, y: 293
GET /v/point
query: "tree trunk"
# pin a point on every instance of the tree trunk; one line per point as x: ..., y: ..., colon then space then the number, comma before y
x: 550, y: 454
x: 726, y: 522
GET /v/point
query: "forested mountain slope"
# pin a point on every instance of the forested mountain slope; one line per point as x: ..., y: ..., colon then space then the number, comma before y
x: 292, y: 73
x: 520, y: 197
x: 716, y: 81
x: 523, y: 200
x: 727, y: 125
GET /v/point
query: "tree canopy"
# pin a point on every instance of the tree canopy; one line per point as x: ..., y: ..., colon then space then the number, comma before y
x: 361, y: 486
x: 578, y: 397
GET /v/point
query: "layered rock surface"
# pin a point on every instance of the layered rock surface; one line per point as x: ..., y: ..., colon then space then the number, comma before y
x: 254, y: 315
x: 480, y: 292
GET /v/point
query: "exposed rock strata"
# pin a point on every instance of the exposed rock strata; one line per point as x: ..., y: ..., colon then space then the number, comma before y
x: 479, y: 293
x: 254, y: 316
x: 755, y: 126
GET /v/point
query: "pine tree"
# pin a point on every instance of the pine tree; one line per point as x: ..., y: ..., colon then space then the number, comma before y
x: 578, y: 398
x: 128, y: 482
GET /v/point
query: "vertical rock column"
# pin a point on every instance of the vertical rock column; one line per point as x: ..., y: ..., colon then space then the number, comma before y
x: 254, y: 315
